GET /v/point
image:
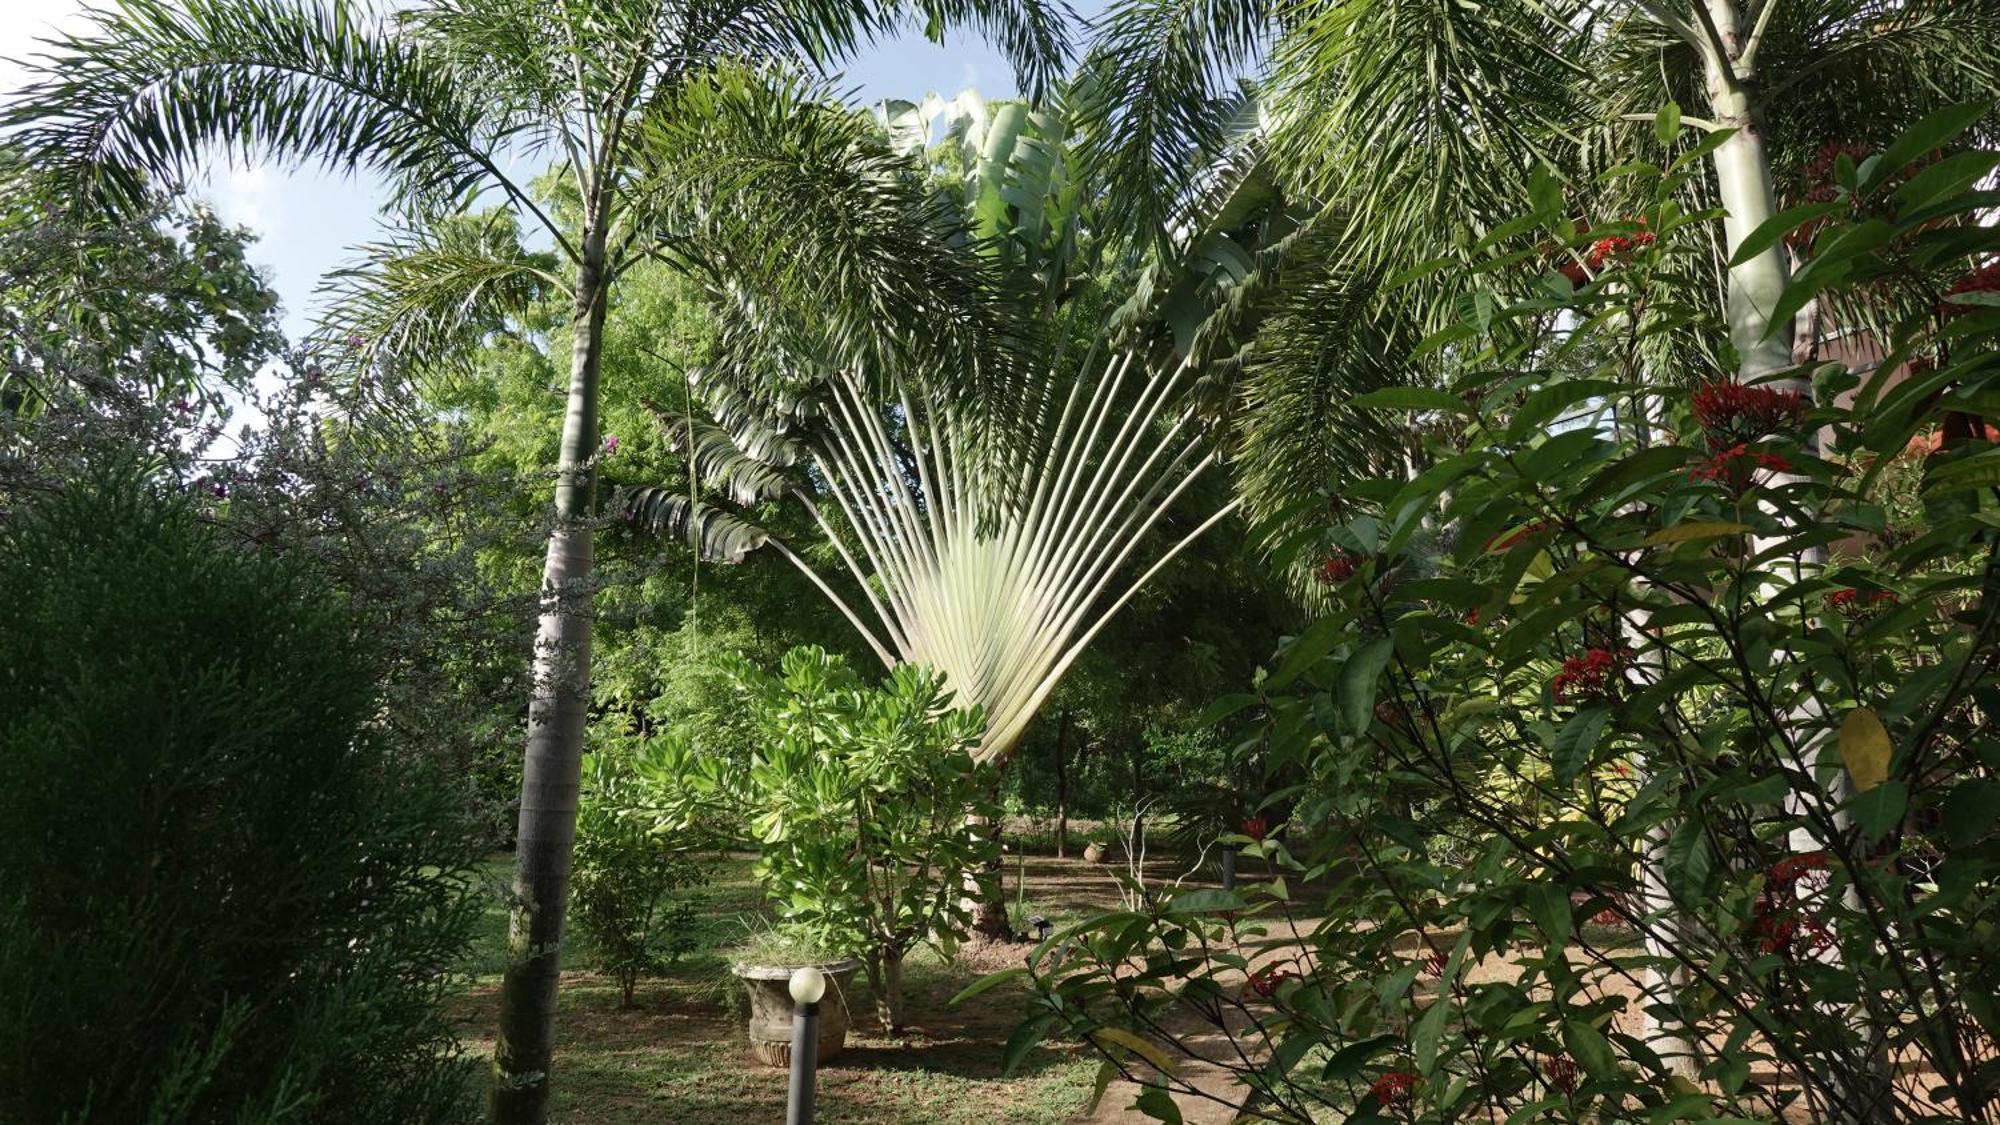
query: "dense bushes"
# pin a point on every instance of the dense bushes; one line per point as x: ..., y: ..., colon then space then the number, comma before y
x: 1651, y: 755
x: 216, y: 903
x: 622, y: 895
x: 856, y: 797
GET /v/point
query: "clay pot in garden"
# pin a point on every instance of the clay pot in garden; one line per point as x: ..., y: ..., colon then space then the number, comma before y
x: 1095, y: 852
x: 771, y: 1010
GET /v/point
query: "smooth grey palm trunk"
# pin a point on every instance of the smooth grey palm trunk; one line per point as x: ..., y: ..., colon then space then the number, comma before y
x: 1765, y: 345
x: 557, y: 713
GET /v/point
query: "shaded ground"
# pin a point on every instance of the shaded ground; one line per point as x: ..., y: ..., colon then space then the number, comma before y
x: 680, y: 1055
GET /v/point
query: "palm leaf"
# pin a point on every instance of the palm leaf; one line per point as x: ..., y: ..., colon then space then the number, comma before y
x: 145, y: 91
x: 420, y: 301
x: 716, y: 533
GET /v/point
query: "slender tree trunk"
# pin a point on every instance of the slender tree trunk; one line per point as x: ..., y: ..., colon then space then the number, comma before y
x: 989, y: 916
x: 1062, y: 787
x: 557, y: 712
x: 1765, y: 345
x: 1743, y: 185
x: 1138, y: 794
x: 885, y: 980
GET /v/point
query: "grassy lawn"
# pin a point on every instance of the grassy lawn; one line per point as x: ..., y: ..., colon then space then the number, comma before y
x: 680, y: 1055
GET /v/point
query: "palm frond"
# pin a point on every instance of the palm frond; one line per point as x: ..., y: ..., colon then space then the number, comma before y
x: 420, y: 301
x: 719, y: 534
x: 135, y: 99
x: 869, y: 275
x: 1419, y: 122
x: 1156, y: 95
x: 716, y: 460
x: 1329, y: 338
x: 1033, y: 35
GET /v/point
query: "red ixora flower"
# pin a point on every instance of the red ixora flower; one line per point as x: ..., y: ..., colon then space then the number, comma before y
x: 1589, y: 676
x: 1335, y: 569
x: 1265, y: 981
x: 1817, y: 173
x: 1792, y: 868
x: 1562, y: 1073
x: 1732, y: 414
x: 1255, y: 828
x: 1851, y: 601
x: 1777, y: 933
x: 1985, y: 279
x: 1736, y: 464
x: 1618, y: 247
x: 1395, y: 1087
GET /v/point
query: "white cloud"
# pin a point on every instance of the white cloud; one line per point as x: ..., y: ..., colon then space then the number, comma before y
x: 244, y: 195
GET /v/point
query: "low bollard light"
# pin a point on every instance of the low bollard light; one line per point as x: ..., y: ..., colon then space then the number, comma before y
x: 808, y: 985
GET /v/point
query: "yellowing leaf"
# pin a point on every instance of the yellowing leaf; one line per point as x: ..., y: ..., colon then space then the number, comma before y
x: 1864, y: 746
x: 1686, y: 532
x: 1137, y: 1046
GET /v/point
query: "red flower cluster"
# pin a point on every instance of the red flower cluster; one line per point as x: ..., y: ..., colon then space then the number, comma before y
x: 1818, y: 172
x: 1562, y: 1073
x: 1776, y: 920
x: 1395, y: 1087
x: 1617, y: 248
x: 1265, y: 981
x: 1590, y: 676
x: 1735, y: 464
x: 1255, y: 828
x: 1335, y: 569
x: 1779, y: 932
x: 1851, y: 601
x: 1789, y: 870
x: 1436, y: 963
x: 1985, y: 279
x: 1732, y: 414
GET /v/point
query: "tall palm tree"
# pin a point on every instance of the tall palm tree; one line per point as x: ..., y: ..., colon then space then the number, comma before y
x: 1407, y: 131
x: 442, y: 98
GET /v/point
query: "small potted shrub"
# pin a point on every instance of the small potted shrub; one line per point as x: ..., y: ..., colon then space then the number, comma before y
x: 863, y: 803
x: 765, y: 965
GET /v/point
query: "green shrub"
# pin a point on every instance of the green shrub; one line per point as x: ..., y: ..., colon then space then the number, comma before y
x: 860, y: 800
x: 216, y: 904
x: 626, y: 872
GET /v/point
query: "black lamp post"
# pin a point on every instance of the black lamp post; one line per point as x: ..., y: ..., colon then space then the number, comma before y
x: 807, y: 986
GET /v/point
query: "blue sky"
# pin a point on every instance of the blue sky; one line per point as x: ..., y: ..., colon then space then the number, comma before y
x: 307, y: 222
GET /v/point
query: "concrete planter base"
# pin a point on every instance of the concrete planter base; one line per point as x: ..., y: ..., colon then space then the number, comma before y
x: 771, y: 1010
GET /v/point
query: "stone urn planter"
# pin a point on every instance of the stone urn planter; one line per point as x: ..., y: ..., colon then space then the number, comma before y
x: 1095, y: 852
x: 771, y: 1010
